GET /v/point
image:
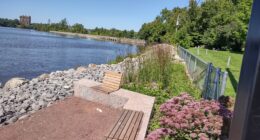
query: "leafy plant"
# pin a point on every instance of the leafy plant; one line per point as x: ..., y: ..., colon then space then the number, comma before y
x: 185, y: 118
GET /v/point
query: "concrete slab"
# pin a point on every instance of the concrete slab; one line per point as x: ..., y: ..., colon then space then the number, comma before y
x: 82, y: 89
x: 138, y: 102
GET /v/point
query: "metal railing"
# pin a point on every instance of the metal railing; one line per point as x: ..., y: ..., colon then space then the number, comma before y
x: 209, y: 79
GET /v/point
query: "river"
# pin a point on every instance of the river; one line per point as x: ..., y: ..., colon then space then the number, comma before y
x: 29, y: 53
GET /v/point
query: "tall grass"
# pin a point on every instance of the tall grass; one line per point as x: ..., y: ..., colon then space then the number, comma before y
x: 157, y: 67
x: 156, y: 70
x: 155, y: 74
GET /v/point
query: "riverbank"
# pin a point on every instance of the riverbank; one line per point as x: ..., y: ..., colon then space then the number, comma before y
x: 136, y: 42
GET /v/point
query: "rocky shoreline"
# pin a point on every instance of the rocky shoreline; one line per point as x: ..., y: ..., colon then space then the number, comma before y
x: 29, y: 96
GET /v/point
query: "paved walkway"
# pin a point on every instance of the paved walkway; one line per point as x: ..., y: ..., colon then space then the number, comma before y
x: 119, y: 99
x: 71, y: 119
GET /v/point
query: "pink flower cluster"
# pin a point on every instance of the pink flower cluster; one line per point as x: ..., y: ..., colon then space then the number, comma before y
x: 185, y: 118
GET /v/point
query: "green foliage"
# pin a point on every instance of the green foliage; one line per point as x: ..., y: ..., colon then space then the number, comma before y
x: 117, y: 60
x: 113, y: 32
x: 219, y: 24
x: 179, y: 83
x: 9, y: 22
x: 120, y: 58
x: 157, y: 76
x: 153, y: 32
x: 78, y: 28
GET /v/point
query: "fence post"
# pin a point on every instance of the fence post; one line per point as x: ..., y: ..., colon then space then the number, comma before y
x: 228, y: 61
x: 224, y: 82
x: 216, y: 83
x: 189, y: 64
x: 186, y: 54
x: 195, y: 65
x: 206, y: 82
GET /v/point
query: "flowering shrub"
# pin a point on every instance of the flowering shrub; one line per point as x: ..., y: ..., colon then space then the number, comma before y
x: 185, y: 118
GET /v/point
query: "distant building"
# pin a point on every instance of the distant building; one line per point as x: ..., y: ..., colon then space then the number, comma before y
x: 25, y: 20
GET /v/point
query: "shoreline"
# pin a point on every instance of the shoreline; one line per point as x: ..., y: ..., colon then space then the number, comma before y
x: 136, y: 42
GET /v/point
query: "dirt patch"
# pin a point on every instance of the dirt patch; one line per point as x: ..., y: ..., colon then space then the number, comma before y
x: 71, y: 119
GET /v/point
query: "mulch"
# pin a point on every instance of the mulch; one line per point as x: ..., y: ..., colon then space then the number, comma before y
x: 70, y: 119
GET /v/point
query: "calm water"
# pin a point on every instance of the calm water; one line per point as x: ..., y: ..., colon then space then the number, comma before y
x: 29, y: 53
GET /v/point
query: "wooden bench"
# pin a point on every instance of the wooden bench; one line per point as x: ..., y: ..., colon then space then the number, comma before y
x: 127, y: 126
x: 110, y: 83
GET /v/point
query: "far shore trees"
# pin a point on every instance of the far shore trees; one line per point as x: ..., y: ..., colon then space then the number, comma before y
x: 64, y: 26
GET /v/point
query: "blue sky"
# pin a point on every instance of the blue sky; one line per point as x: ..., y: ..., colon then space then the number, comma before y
x: 120, y: 14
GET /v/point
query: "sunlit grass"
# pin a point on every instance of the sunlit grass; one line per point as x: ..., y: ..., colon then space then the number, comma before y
x: 219, y: 59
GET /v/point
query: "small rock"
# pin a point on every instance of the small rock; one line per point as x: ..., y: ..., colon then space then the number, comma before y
x: 42, y: 103
x: 92, y: 65
x: 2, y: 112
x: 23, y: 117
x: 43, y: 77
x: 12, y: 97
x: 22, y: 111
x: 81, y: 69
x: 99, y: 110
x: 66, y: 87
x: 35, y: 107
x: 12, y: 120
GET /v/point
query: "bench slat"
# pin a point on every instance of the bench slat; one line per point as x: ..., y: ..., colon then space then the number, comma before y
x: 113, y: 132
x: 126, y: 126
x: 120, y: 129
x: 136, y: 127
x: 129, y: 131
x: 118, y: 80
x: 112, y: 81
x: 112, y: 84
x: 109, y: 87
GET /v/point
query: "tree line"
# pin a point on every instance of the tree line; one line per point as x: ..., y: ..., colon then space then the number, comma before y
x: 214, y: 24
x: 65, y: 27
x: 9, y: 22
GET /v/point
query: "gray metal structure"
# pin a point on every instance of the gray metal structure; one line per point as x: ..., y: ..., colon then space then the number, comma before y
x: 246, y: 121
x: 209, y: 79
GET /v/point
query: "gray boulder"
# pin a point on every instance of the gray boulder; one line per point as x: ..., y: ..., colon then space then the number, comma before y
x: 14, y: 82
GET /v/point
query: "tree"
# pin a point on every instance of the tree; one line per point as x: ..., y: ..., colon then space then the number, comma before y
x: 78, y: 28
x: 63, y: 25
x: 220, y: 24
